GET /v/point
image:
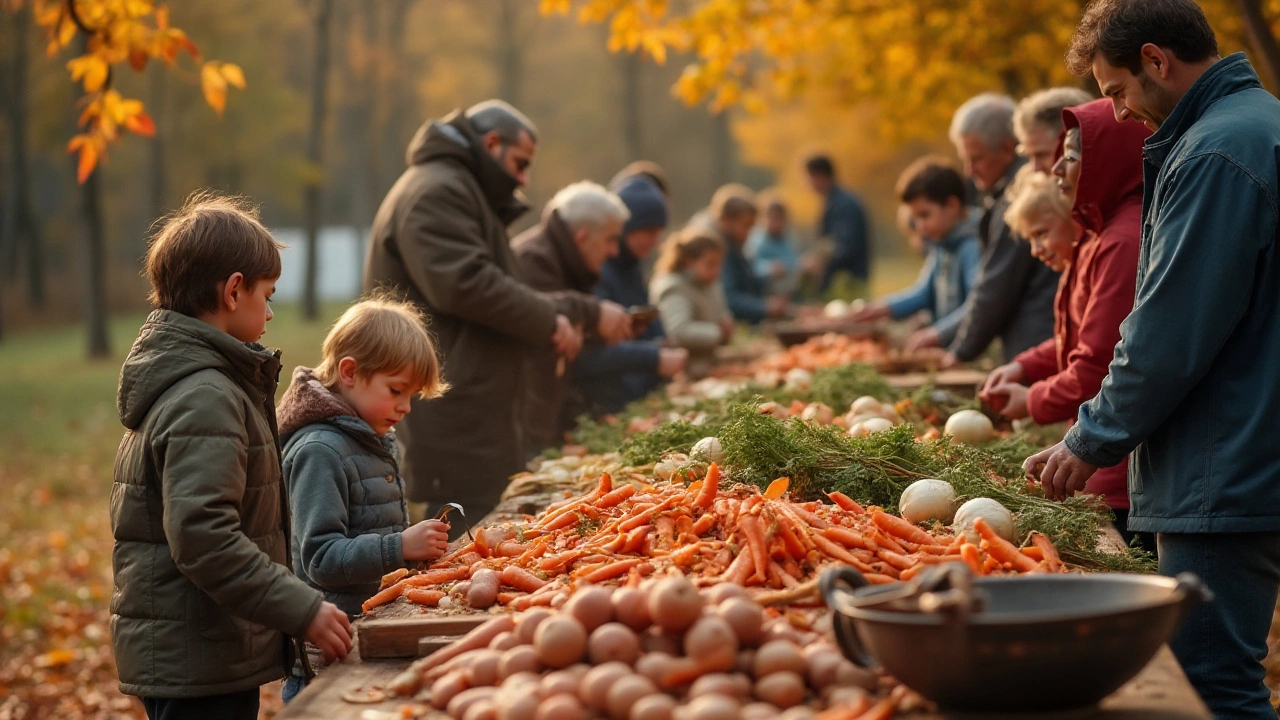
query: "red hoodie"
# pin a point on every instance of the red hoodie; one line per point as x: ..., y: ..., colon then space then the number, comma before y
x: 1096, y: 291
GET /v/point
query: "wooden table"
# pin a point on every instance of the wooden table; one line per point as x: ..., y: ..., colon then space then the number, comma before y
x: 964, y: 381
x: 1159, y: 692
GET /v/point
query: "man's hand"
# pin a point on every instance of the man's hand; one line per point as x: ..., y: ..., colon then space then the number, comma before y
x: 872, y: 311
x: 671, y: 361
x: 921, y: 339
x: 1015, y: 400
x: 948, y: 361
x: 777, y: 306
x: 426, y: 540
x: 615, y: 322
x: 566, y: 339
x: 331, y: 632
x: 1007, y: 373
x: 1059, y: 471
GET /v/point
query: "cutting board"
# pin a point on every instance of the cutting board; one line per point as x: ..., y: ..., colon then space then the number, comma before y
x: 399, y: 637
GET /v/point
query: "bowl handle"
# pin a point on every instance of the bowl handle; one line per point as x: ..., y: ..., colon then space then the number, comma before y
x: 838, y: 580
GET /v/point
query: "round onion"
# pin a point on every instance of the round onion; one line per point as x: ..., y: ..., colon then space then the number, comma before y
x: 866, y: 405
x: 996, y: 515
x: 970, y: 427
x: 876, y: 424
x: 708, y: 449
x: 836, y: 308
x: 798, y: 379
x: 819, y: 413
x: 928, y: 498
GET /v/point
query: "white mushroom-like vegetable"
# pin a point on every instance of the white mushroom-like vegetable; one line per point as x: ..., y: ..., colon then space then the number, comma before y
x: 876, y: 424
x: 708, y: 449
x: 970, y: 427
x: 928, y: 498
x: 996, y: 515
x: 836, y: 308
x: 866, y: 405
x: 819, y: 413
x: 798, y: 379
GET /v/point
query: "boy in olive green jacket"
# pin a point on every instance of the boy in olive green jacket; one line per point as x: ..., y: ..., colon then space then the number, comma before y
x: 204, y: 597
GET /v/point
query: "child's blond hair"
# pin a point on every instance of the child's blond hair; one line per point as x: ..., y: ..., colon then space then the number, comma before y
x: 383, y: 335
x: 684, y: 247
x: 1034, y: 195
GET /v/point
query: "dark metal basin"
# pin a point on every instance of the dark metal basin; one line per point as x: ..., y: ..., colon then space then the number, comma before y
x: 1041, y: 642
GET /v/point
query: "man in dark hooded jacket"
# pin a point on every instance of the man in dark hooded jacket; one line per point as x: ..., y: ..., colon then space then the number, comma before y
x: 1192, y: 391
x: 440, y: 239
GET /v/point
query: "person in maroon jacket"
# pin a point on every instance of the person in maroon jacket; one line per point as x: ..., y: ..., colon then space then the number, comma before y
x: 1099, y: 171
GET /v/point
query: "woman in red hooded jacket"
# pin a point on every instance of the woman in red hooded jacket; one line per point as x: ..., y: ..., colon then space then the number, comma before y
x: 1099, y: 172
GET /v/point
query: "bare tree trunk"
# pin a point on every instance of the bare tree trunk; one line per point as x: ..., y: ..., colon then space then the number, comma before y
x: 20, y: 229
x: 632, y: 136
x: 95, y: 259
x: 397, y: 94
x: 509, y: 52
x: 315, y: 147
x: 1262, y: 39
x: 371, y: 193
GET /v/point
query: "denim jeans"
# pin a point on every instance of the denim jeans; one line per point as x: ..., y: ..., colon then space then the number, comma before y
x: 293, y: 685
x: 1222, y: 644
x: 233, y: 706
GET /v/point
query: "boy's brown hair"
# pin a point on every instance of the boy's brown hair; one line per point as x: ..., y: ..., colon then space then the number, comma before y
x: 733, y: 201
x: 933, y: 179
x: 200, y: 245
x: 383, y: 335
x: 684, y: 247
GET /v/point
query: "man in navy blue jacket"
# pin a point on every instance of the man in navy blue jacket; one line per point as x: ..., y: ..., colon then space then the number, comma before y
x: 610, y: 376
x: 1192, y: 389
x: 844, y: 220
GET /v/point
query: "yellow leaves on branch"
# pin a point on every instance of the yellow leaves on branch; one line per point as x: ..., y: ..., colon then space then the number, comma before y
x: 117, y: 33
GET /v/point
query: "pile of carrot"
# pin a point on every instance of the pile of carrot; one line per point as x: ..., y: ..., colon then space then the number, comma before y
x: 824, y: 351
x: 711, y: 532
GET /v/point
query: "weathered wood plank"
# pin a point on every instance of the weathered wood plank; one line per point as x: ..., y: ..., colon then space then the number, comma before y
x: 398, y: 637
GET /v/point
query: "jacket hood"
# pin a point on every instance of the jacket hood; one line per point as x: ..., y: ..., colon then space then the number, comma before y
x: 1228, y: 76
x: 307, y: 401
x: 561, y: 238
x: 1110, y: 162
x: 452, y: 138
x: 171, y: 346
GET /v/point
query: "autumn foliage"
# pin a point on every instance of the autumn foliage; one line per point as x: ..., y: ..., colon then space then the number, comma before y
x: 116, y: 34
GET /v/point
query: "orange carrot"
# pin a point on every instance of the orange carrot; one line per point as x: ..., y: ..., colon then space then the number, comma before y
x: 393, y: 577
x: 686, y: 554
x: 750, y: 525
x: 1052, y: 560
x: 445, y: 560
x: 703, y: 524
x: 474, y: 640
x: 707, y: 495
x: 939, y: 559
x: 384, y: 596
x: 846, y: 503
x: 839, y: 553
x: 846, y: 712
x: 849, y: 538
x: 506, y: 597
x: 437, y: 577
x: 972, y: 557
x: 635, y: 539
x: 521, y: 579
x: 1002, y: 550
x: 777, y: 488
x: 809, y: 518
x: 897, y: 526
x: 423, y: 596
x: 558, y: 562
x: 740, y: 569
x: 990, y: 565
x: 562, y: 521
x: 665, y: 527
x: 882, y: 710
x: 885, y: 540
x: 509, y: 548
x: 611, y: 570
x: 645, y: 516
x: 912, y: 572
x: 901, y: 562
x: 615, y: 497
x: 790, y: 542
x: 1032, y: 552
x: 781, y: 574
x: 878, y: 579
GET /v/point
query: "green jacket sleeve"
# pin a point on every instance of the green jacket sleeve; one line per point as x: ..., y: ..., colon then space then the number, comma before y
x: 453, y: 266
x: 202, y: 487
x: 1194, y: 285
x: 318, y: 489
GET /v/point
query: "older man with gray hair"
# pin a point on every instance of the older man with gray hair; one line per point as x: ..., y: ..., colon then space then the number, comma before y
x: 1037, y: 122
x: 561, y: 257
x: 1012, y: 298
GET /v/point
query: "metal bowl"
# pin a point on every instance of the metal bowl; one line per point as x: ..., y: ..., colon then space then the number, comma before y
x: 1035, y: 643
